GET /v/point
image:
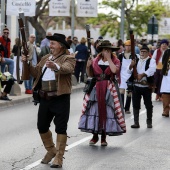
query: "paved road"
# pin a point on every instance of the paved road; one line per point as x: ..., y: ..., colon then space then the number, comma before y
x: 138, y: 149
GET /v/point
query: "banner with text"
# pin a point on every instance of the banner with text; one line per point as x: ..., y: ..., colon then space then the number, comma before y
x: 26, y: 6
x: 164, y: 26
x: 87, y: 8
x: 59, y: 8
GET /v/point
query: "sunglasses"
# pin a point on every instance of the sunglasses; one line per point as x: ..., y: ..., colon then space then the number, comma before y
x: 6, y: 32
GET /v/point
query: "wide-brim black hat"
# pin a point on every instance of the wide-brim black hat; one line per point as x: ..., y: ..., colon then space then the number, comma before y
x: 59, y: 38
x: 107, y: 44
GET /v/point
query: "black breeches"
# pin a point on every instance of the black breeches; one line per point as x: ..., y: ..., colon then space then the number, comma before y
x: 57, y: 108
x: 146, y: 93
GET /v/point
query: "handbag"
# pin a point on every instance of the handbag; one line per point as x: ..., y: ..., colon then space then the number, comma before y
x: 90, y: 83
x: 35, y: 94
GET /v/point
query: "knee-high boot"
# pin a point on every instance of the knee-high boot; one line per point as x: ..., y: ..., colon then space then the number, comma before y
x: 60, y: 147
x: 166, y: 102
x: 49, y: 146
x: 136, y: 118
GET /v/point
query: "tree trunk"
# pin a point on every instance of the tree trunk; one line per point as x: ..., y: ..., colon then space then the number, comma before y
x: 40, y: 32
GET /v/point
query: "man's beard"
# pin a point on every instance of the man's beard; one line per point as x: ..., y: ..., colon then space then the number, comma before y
x: 142, y: 57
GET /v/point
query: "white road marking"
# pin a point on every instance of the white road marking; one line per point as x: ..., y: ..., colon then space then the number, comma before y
x: 71, y: 146
x: 67, y: 148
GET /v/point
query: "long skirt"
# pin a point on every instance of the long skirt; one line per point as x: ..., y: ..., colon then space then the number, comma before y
x: 89, y: 120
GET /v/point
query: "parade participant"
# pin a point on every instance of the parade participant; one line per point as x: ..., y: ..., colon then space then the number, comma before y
x: 5, y: 41
x: 125, y: 60
x: 157, y: 55
x: 146, y: 68
x: 165, y: 86
x: 102, y: 111
x: 55, y: 96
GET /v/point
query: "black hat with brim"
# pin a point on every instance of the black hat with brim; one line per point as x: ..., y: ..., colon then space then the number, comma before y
x: 107, y: 44
x: 59, y: 38
x: 144, y: 47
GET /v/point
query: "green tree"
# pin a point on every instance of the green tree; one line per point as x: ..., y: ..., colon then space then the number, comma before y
x: 136, y: 16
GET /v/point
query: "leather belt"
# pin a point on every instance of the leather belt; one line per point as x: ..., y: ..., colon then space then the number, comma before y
x: 47, y: 94
x: 143, y: 82
x: 101, y: 77
x: 49, y: 85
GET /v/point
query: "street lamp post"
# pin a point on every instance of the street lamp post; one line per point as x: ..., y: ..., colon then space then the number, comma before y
x: 153, y: 26
x: 122, y: 20
x: 72, y: 19
x: 2, y: 14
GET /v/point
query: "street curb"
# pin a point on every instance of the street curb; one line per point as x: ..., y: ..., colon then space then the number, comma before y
x: 28, y: 99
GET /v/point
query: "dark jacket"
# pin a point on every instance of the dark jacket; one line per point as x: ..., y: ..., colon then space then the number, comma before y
x: 82, y: 52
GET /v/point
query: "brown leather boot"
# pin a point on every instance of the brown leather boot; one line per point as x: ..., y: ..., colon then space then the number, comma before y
x: 166, y: 103
x: 49, y: 146
x: 60, y: 147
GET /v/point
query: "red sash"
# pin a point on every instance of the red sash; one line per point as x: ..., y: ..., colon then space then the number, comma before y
x: 158, y: 56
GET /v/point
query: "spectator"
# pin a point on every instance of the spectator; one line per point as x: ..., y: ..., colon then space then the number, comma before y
x: 17, y: 52
x: 8, y: 82
x: 33, y: 58
x: 6, y: 43
x: 69, y: 41
x: 74, y: 44
x: 81, y: 59
x: 45, y: 41
x: 45, y: 46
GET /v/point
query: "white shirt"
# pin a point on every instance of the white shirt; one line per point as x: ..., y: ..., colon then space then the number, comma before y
x: 123, y: 73
x: 49, y: 74
x: 165, y: 86
x: 141, y: 69
x: 101, y: 62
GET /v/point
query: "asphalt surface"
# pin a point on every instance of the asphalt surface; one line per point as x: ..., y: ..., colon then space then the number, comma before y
x: 139, y: 149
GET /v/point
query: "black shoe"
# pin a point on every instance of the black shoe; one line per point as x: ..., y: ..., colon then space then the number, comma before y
x: 5, y: 98
x: 127, y: 112
x: 56, y: 166
x: 149, y: 125
x: 136, y: 125
x: 166, y: 115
